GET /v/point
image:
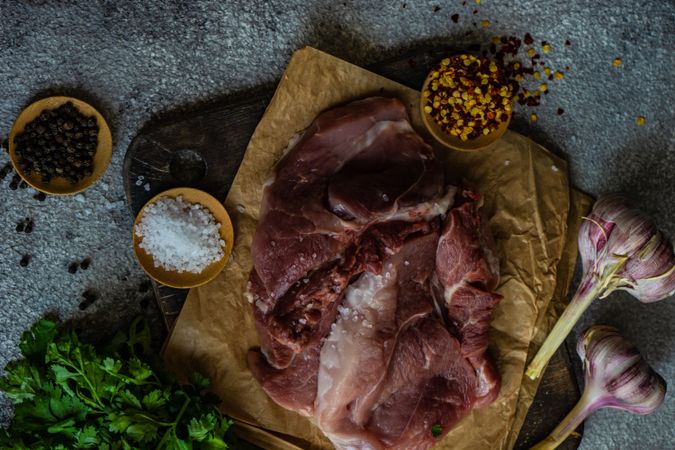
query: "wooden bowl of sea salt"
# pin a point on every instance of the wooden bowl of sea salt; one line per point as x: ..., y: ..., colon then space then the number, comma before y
x: 183, y: 237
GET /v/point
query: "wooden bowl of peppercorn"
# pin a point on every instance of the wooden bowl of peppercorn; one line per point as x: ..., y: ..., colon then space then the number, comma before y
x: 455, y: 79
x: 60, y: 145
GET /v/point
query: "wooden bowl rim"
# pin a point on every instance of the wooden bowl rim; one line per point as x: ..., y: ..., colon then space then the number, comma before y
x: 183, y: 280
x: 58, y: 185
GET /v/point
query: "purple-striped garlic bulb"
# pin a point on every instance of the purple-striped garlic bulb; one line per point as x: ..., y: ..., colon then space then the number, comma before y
x: 620, y: 249
x: 615, y: 376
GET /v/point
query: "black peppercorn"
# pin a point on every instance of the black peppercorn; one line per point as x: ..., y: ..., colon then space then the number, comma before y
x: 25, y: 259
x: 84, y: 265
x: 57, y: 143
x: 89, y: 297
x: 72, y: 268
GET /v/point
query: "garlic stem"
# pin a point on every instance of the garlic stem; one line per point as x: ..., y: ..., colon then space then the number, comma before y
x: 585, y: 407
x: 587, y: 292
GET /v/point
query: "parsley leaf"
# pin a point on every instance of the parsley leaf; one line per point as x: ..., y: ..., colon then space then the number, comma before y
x: 71, y: 395
x: 200, y: 429
x: 199, y: 381
x: 86, y: 437
x: 436, y: 430
x: 154, y: 399
x: 142, y: 432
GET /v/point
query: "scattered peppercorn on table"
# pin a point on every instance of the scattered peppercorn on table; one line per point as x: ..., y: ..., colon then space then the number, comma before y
x: 602, y: 101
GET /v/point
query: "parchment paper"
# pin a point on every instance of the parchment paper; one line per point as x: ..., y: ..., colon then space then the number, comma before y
x: 580, y: 205
x: 526, y: 199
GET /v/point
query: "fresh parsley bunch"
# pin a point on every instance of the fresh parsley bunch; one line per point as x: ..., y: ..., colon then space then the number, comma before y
x: 69, y: 396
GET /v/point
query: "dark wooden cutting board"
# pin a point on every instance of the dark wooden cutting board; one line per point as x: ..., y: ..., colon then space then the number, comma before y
x: 202, y: 146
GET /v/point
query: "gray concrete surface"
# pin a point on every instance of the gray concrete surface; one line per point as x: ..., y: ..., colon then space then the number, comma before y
x: 139, y: 58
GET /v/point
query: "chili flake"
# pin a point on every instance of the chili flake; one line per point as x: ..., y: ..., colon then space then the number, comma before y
x: 468, y: 96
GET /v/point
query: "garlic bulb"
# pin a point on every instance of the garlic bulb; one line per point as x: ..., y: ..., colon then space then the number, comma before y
x: 620, y: 248
x: 615, y: 376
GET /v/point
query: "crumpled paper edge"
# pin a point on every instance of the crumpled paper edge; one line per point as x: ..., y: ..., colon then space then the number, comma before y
x: 580, y: 204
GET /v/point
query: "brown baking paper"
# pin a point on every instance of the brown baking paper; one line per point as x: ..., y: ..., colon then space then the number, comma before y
x: 526, y: 199
x: 579, y: 206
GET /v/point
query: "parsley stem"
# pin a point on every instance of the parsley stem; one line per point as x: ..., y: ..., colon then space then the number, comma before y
x: 80, y: 371
x: 156, y: 422
x: 172, y: 429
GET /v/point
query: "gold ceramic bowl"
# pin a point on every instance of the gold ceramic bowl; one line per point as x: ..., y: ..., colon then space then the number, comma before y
x: 454, y: 142
x: 58, y: 185
x: 187, y: 279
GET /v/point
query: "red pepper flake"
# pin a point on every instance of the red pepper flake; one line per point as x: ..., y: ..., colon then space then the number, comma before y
x: 528, y: 39
x: 560, y: 111
x: 454, y: 18
x: 468, y: 96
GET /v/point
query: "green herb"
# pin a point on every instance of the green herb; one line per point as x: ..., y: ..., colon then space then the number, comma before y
x: 436, y: 430
x: 67, y: 395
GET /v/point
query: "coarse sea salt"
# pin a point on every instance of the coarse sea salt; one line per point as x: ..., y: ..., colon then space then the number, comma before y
x: 180, y: 236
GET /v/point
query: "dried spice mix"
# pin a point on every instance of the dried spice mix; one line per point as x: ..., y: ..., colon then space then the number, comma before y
x: 468, y: 96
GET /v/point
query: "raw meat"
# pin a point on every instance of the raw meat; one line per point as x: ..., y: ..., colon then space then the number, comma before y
x: 372, y: 284
x: 312, y: 220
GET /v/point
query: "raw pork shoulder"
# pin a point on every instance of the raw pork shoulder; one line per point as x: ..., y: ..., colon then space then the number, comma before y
x: 372, y: 284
